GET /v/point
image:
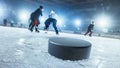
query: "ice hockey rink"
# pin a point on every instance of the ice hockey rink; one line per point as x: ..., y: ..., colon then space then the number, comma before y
x: 19, y: 48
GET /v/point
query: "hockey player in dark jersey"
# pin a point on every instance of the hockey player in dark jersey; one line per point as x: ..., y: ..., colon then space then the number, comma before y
x: 34, y: 19
x: 90, y: 29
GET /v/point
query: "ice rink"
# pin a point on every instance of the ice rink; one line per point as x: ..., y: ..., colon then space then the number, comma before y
x: 19, y: 48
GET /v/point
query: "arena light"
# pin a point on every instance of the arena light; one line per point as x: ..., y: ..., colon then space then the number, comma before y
x: 103, y: 21
x: 2, y: 10
x: 24, y: 16
x: 42, y: 19
x: 77, y: 22
x: 60, y: 22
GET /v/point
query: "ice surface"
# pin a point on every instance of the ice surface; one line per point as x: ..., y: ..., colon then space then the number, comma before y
x: 19, y: 48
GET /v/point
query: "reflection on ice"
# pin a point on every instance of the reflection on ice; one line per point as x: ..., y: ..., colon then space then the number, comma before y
x: 21, y: 41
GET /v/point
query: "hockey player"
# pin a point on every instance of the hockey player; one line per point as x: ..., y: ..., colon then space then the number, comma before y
x: 34, y: 19
x: 90, y: 29
x: 51, y: 19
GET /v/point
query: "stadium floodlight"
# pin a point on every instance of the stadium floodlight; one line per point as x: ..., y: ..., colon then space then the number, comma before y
x: 2, y: 10
x: 103, y: 21
x: 77, y: 22
x: 60, y: 22
x: 24, y: 16
x: 42, y: 19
